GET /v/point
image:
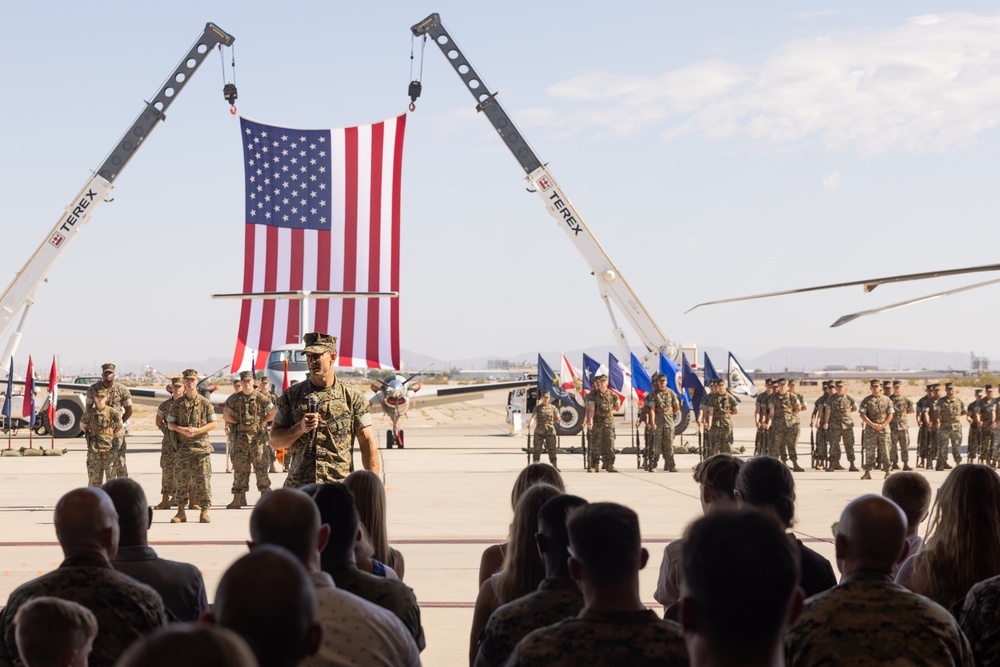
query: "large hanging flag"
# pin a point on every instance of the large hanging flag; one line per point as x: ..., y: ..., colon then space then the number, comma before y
x: 740, y: 381
x: 618, y: 380
x: 674, y: 379
x: 9, y: 395
x: 322, y: 214
x: 693, y: 388
x: 710, y: 372
x: 641, y: 382
x: 28, y: 407
x: 567, y: 376
x: 591, y: 367
x: 53, y: 394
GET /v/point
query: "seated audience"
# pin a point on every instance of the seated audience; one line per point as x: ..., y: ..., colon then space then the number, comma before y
x: 87, y: 529
x: 737, y: 614
x: 716, y: 477
x: 355, y: 631
x: 179, y: 584
x: 189, y: 645
x: 336, y: 510
x: 522, y: 569
x: 369, y: 499
x: 962, y: 546
x: 912, y: 492
x: 557, y: 597
x: 765, y: 483
x: 364, y: 556
x: 868, y: 619
x: 50, y: 632
x: 614, y: 628
x: 493, y: 556
x: 267, y: 598
x: 980, y: 621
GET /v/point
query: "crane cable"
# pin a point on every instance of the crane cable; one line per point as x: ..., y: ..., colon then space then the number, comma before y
x: 415, y: 85
x: 229, y: 89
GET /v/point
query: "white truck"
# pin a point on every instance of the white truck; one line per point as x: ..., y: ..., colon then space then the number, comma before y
x: 611, y: 284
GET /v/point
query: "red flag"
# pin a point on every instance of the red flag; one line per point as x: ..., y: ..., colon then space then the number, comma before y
x: 28, y: 409
x: 284, y: 382
x: 322, y: 214
x: 53, y: 394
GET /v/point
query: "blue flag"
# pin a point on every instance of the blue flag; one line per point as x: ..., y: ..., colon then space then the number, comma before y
x: 693, y: 385
x: 616, y: 378
x: 740, y: 381
x: 669, y: 368
x: 547, y: 382
x: 710, y: 372
x: 591, y: 367
x: 10, y: 394
x: 640, y: 378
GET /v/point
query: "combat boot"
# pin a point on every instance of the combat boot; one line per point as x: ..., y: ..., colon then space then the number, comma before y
x: 838, y: 465
x: 796, y: 467
x: 867, y: 475
x: 164, y: 504
x: 906, y: 466
x: 946, y: 466
x: 204, y: 518
x: 611, y: 468
x: 887, y: 471
x: 853, y: 467
x: 192, y: 505
x: 180, y: 517
x: 235, y: 505
x: 243, y: 498
x: 895, y: 466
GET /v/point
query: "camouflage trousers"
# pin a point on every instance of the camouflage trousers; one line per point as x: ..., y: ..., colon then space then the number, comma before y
x: 193, y: 476
x: 836, y: 435
x: 118, y: 465
x: 949, y: 433
x: 100, y: 466
x: 662, y: 443
x: 720, y: 438
x: 316, y: 464
x: 168, y: 454
x: 899, y: 444
x: 994, y: 445
x: 875, y: 444
x: 782, y: 440
x: 973, y: 443
x: 547, y: 439
x: 820, y: 453
x: 248, y: 450
x: 602, y: 446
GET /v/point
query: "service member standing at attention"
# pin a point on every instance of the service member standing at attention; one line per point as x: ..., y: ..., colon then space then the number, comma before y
x: 924, y: 433
x: 191, y: 418
x: 975, y: 426
x: 545, y: 433
x: 600, y: 421
x: 782, y: 423
x: 660, y: 406
x: 321, y: 439
x: 899, y: 428
x: 247, y: 413
x: 168, y: 446
x: 839, y: 425
x: 876, y: 413
x: 933, y: 416
x: 119, y: 398
x: 796, y: 422
x: 264, y: 387
x: 991, y: 433
x: 949, y: 424
x: 721, y: 409
x: 820, y: 456
x: 760, y: 417
x: 101, y: 423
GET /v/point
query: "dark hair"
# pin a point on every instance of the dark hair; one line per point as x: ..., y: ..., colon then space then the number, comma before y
x: 912, y: 492
x: 718, y: 474
x: 133, y: 510
x: 552, y: 516
x: 767, y: 483
x: 534, y: 474
x: 337, y: 510
x: 286, y: 518
x: 604, y: 538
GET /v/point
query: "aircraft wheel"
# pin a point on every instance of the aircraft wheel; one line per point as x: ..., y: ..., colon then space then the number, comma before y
x: 570, y: 419
x: 399, y: 440
x: 681, y: 420
x: 390, y: 439
x: 69, y: 414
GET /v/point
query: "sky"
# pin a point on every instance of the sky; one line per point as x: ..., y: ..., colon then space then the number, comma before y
x: 713, y: 149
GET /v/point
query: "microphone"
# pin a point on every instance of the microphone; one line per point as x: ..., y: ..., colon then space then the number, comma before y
x: 313, y: 407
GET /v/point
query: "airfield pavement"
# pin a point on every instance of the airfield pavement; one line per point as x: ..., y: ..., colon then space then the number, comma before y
x: 448, y: 499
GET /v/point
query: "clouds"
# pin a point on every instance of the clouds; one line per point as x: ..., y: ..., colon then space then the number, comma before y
x: 928, y: 84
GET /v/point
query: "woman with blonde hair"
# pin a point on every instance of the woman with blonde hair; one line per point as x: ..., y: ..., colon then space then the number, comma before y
x: 369, y: 498
x: 962, y: 543
x: 522, y: 568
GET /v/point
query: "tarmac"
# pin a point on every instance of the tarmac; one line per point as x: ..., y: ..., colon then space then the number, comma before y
x: 448, y: 499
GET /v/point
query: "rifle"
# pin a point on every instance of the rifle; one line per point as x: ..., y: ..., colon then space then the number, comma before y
x: 529, y: 448
x: 639, y: 463
x: 701, y: 445
x: 757, y: 441
x: 812, y: 446
x: 583, y: 447
x: 586, y: 450
x: 863, y: 447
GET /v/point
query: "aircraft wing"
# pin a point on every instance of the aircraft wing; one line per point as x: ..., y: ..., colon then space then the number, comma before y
x: 148, y: 397
x: 428, y: 396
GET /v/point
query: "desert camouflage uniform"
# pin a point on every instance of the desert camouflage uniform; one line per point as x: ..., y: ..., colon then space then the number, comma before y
x: 557, y: 598
x: 193, y: 464
x: 925, y: 454
x: 951, y: 410
x: 991, y: 434
x: 760, y: 408
x: 662, y: 403
x: 389, y: 594
x: 603, y: 639
x: 119, y: 397
x: 168, y: 451
x: 720, y: 436
x: 975, y: 441
x: 821, y: 433
x: 602, y: 431
x: 978, y: 620
x: 899, y: 429
x: 875, y: 443
x: 248, y: 436
x: 546, y: 417
x: 784, y: 425
x: 841, y: 425
x: 796, y: 425
x: 870, y: 621
x: 343, y: 411
x: 99, y: 427
x: 126, y: 610
x: 933, y: 414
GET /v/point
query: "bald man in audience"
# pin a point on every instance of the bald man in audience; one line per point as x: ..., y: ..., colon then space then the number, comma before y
x: 87, y: 529
x: 266, y: 598
x: 868, y: 619
x: 288, y: 518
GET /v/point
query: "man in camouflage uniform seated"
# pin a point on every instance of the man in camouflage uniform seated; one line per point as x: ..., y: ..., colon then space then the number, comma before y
x: 869, y: 619
x: 599, y: 419
x: 101, y: 423
x: 340, y: 416
x: 545, y: 433
x: 191, y: 418
x: 120, y: 399
x: 247, y: 413
x: 659, y: 407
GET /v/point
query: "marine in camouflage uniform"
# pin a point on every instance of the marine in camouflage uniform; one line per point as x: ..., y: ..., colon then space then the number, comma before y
x: 782, y: 423
x: 341, y: 415
x: 659, y: 407
x: 720, y: 424
x: 546, y: 416
x: 101, y: 423
x: 168, y: 446
x: 557, y: 598
x: 247, y: 413
x: 191, y: 418
x: 119, y: 398
x: 876, y: 413
x: 923, y: 434
x: 760, y: 418
x: 265, y: 388
x: 988, y: 415
x: 840, y: 427
x: 820, y: 455
x: 899, y: 428
x: 933, y: 417
x: 796, y: 424
x: 949, y: 422
x: 975, y: 427
x: 978, y: 620
x: 599, y: 419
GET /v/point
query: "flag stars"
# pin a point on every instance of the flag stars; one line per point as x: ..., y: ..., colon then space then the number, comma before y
x: 322, y: 170
x: 248, y: 130
x: 322, y: 139
x: 302, y: 202
x: 294, y: 145
x: 302, y: 139
x: 284, y: 152
x: 284, y: 201
x: 303, y: 219
x: 284, y: 218
x: 275, y: 144
x: 267, y: 198
x: 295, y: 209
x: 284, y: 167
x: 312, y: 177
x: 267, y: 215
x: 312, y: 211
x: 312, y: 147
x: 322, y: 186
x: 284, y: 137
x: 322, y: 202
x: 312, y: 193
x: 263, y: 134
x: 256, y: 140
x: 294, y: 160
x: 322, y: 153
x: 323, y: 220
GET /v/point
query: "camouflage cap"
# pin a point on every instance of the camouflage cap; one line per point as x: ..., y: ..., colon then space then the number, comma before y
x: 318, y: 343
x: 656, y: 377
x: 544, y: 394
x: 838, y: 384
x: 978, y: 392
x: 989, y: 386
x: 949, y: 385
x: 246, y: 375
x: 792, y: 381
x: 102, y: 393
x: 177, y: 381
x: 261, y: 375
x: 897, y: 383
x: 874, y: 381
x: 768, y: 382
x: 190, y: 373
x: 107, y: 367
x: 599, y: 378
x: 827, y: 384
x: 780, y: 381
x: 936, y: 386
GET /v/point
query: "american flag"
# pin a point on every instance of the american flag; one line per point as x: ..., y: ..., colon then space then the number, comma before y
x: 322, y: 213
